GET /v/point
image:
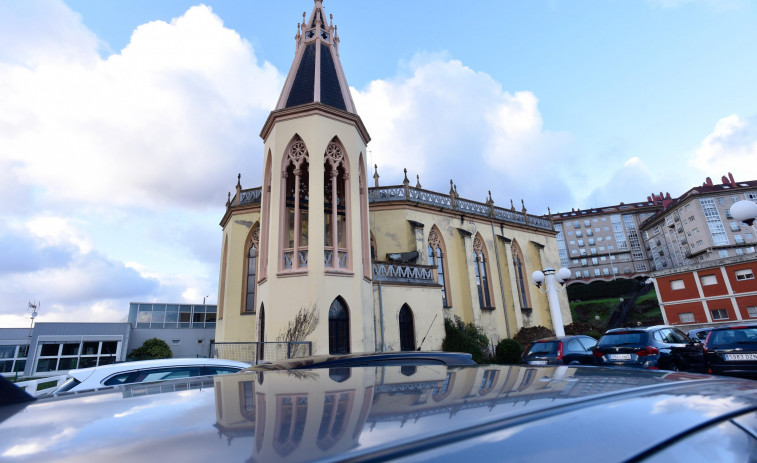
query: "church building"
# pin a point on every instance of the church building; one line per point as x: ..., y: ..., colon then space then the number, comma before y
x: 354, y: 267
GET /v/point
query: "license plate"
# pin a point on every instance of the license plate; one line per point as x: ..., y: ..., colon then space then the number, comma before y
x: 537, y: 362
x: 741, y: 356
x: 619, y: 356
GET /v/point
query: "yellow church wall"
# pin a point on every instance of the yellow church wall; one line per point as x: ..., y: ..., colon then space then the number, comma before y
x: 393, y: 233
x: 428, y: 315
x: 232, y: 325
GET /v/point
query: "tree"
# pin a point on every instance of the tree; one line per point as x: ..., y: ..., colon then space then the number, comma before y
x: 152, y: 349
x: 508, y: 352
x: 297, y: 330
x: 461, y: 337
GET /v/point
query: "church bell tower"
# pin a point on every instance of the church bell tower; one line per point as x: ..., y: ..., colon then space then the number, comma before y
x: 314, y: 239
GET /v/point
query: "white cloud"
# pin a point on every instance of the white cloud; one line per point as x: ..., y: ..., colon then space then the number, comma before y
x: 123, y: 156
x: 168, y: 120
x: 443, y: 120
x: 731, y: 147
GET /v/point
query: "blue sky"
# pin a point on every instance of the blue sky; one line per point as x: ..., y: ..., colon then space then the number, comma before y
x: 126, y: 122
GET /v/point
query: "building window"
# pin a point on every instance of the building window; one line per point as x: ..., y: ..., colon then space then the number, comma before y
x: 295, y: 197
x: 250, y: 269
x: 578, y: 274
x: 520, y: 278
x: 744, y: 275
x: 586, y: 274
x: 686, y: 317
x: 708, y: 280
x: 335, y: 190
x: 64, y: 356
x: 339, y: 327
x: 719, y: 314
x: 738, y: 239
x: 437, y: 258
x: 597, y: 272
x: 752, y: 311
x: 723, y: 252
x: 712, y: 216
x: 606, y: 271
x: 677, y: 284
x: 482, y: 274
x: 580, y: 242
x: 407, y: 328
x: 13, y: 358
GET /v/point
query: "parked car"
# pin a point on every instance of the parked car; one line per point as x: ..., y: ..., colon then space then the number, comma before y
x: 563, y: 350
x: 657, y: 347
x: 402, y: 358
x: 477, y: 413
x: 732, y: 351
x: 145, y: 371
x: 699, y: 334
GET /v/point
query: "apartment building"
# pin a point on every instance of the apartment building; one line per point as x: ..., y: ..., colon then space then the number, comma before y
x: 697, y: 227
x: 606, y: 243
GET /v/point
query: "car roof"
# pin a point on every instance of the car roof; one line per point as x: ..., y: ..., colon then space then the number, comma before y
x: 639, y: 328
x: 384, y: 413
x: 563, y: 338
x: 102, y: 371
x: 369, y: 359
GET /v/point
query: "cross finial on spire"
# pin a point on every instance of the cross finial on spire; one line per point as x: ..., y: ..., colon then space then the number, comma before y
x: 239, y: 180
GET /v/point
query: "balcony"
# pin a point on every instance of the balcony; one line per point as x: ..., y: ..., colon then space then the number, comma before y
x: 403, y: 274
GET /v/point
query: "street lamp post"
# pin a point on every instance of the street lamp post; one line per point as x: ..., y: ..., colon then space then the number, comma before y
x: 549, y: 279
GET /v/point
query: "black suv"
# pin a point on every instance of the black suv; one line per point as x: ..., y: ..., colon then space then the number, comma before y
x: 655, y: 347
x: 563, y: 350
x: 732, y: 351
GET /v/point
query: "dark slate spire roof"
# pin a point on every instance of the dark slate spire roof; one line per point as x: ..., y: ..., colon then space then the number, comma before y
x: 316, y: 75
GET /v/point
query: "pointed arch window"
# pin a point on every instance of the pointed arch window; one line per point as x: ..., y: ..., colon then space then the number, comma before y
x: 296, y: 181
x: 482, y: 273
x: 291, y: 413
x: 437, y: 258
x: 335, y: 210
x: 339, y: 327
x: 407, y: 328
x: 337, y: 407
x: 261, y: 333
x: 520, y: 279
x: 250, y: 269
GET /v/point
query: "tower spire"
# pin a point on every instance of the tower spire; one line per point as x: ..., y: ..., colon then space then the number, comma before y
x: 316, y: 75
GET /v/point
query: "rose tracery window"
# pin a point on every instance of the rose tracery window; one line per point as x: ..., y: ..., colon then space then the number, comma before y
x: 482, y: 274
x: 296, y: 181
x: 335, y: 176
x: 436, y: 258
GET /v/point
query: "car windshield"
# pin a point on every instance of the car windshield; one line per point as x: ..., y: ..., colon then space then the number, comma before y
x: 543, y: 348
x: 733, y: 338
x: 625, y: 338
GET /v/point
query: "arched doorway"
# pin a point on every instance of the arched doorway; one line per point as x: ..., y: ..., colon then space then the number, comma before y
x: 407, y: 328
x: 339, y: 327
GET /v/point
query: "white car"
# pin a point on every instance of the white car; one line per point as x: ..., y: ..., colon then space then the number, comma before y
x: 145, y: 371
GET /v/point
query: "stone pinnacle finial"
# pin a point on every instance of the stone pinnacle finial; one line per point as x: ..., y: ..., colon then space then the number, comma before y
x: 375, y: 176
x: 512, y: 206
x: 524, y: 206
x: 239, y: 180
x: 451, y: 187
x: 228, y: 200
x: 406, y: 181
x: 417, y: 181
x: 490, y: 201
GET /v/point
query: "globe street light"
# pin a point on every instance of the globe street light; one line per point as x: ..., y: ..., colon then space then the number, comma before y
x: 548, y: 277
x: 745, y: 211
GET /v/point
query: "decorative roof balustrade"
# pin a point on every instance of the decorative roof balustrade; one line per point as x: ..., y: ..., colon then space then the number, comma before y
x: 405, y: 274
x: 441, y: 201
x: 250, y: 196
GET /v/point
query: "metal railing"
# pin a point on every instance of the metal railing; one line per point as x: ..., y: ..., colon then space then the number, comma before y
x: 254, y: 352
x: 441, y: 201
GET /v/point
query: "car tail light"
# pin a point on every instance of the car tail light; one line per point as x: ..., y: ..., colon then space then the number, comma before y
x: 597, y: 353
x: 559, y: 350
x: 649, y: 350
